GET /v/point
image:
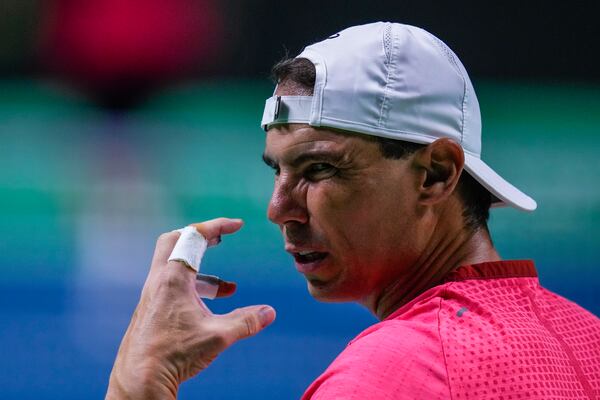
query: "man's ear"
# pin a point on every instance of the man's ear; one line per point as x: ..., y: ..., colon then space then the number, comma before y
x: 439, y: 164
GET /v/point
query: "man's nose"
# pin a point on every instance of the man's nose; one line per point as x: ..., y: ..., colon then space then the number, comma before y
x: 288, y: 203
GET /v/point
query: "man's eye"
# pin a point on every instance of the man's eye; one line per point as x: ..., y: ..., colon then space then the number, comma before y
x: 319, y: 171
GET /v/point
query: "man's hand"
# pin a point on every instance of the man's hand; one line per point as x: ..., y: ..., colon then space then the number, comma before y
x: 173, y: 335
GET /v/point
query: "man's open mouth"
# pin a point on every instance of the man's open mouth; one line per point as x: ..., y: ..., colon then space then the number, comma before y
x: 305, y: 257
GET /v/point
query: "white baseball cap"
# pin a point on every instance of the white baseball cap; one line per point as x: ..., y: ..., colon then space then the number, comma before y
x: 395, y: 81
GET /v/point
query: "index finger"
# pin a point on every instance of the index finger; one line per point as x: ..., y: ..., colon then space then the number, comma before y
x: 164, y: 246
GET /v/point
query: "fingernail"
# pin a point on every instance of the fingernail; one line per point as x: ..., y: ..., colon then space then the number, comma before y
x: 266, y: 315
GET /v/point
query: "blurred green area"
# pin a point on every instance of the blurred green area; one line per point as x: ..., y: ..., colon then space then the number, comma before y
x: 69, y: 170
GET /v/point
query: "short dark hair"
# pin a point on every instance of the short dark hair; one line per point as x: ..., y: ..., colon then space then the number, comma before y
x: 300, y: 73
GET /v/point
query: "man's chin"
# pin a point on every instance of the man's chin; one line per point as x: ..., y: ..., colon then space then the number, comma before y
x: 326, y: 291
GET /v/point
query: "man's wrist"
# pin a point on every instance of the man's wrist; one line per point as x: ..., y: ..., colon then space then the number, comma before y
x: 140, y: 384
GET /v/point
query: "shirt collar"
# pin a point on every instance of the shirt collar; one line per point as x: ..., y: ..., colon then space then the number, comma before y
x: 493, y: 270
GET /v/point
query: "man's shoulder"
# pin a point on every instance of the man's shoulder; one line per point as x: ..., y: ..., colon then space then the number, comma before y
x: 412, y: 328
x: 463, y: 335
x: 396, y: 356
x: 419, y: 328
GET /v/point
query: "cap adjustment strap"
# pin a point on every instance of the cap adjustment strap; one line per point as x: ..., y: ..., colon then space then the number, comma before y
x: 286, y: 110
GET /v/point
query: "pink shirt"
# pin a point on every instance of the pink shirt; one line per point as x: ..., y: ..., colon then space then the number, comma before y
x: 490, y: 331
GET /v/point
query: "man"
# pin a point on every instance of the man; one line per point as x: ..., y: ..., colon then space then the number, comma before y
x: 374, y: 135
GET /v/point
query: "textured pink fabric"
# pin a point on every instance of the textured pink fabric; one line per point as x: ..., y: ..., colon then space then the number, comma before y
x: 490, y: 332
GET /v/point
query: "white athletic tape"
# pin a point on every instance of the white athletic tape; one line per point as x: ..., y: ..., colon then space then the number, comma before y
x: 190, y: 248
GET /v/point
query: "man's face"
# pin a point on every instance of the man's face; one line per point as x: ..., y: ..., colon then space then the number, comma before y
x: 348, y: 215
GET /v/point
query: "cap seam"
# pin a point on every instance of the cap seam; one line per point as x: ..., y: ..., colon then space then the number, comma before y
x: 389, y: 65
x: 464, y: 102
x: 452, y: 58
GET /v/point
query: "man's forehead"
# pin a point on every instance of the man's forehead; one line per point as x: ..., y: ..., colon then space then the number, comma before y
x: 288, y: 139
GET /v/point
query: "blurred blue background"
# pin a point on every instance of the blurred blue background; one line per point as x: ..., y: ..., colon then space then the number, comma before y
x: 101, y: 151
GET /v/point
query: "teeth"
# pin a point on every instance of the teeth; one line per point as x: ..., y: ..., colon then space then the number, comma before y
x: 305, y: 253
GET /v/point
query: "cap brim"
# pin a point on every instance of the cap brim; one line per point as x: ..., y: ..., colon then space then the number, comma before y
x: 498, y: 186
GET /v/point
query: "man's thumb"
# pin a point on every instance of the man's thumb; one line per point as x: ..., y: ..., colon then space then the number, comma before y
x: 248, y: 321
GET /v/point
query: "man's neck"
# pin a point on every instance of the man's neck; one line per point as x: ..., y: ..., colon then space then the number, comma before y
x: 444, y: 254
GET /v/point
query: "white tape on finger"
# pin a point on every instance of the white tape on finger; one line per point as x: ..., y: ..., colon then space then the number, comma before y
x: 190, y: 248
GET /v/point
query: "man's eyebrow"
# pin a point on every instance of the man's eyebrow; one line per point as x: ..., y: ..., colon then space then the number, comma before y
x: 320, y: 155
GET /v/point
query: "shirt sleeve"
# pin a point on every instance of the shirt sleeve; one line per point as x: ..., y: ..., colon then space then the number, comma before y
x: 391, y: 360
